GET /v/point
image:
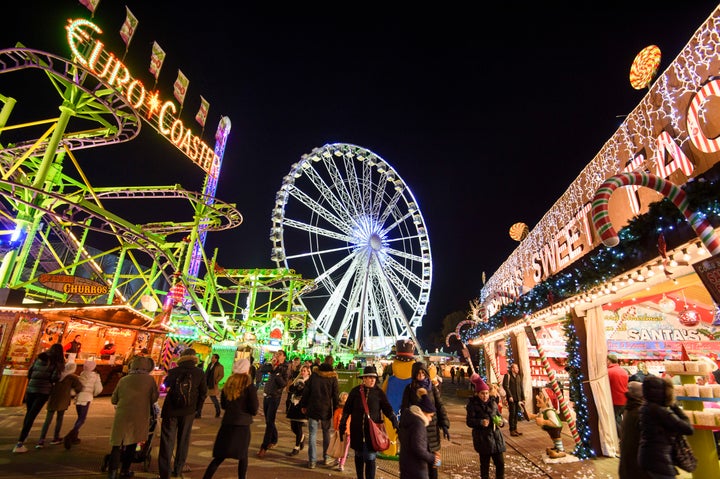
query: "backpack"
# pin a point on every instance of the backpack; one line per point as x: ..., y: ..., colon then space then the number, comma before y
x: 181, y: 392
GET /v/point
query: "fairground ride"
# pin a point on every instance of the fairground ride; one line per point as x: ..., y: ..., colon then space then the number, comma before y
x: 55, y: 222
x: 344, y: 217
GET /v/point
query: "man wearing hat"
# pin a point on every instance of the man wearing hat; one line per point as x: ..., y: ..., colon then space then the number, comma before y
x: 177, y: 421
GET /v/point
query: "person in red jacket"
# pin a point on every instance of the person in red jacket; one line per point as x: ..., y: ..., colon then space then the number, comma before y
x: 618, y: 378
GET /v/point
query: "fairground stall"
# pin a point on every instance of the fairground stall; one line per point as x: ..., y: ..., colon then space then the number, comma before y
x: 576, y: 290
x: 108, y: 334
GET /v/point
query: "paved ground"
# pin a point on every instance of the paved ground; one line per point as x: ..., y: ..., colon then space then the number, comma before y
x: 524, y: 457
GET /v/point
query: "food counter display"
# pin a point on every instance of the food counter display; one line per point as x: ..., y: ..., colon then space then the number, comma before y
x: 111, y: 346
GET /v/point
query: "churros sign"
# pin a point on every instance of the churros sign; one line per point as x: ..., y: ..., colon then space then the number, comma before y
x: 72, y: 284
x: 91, y: 54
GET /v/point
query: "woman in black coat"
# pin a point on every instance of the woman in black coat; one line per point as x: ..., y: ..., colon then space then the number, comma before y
x: 485, y: 420
x: 661, y: 420
x: 630, y: 440
x: 42, y: 376
x: 439, y: 421
x: 415, y: 458
x: 354, y: 409
x: 239, y: 399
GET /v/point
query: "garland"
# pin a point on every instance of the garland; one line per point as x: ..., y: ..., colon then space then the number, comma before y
x: 583, y: 450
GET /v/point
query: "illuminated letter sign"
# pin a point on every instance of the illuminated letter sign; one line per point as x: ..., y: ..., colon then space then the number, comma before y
x: 91, y: 55
x: 72, y: 284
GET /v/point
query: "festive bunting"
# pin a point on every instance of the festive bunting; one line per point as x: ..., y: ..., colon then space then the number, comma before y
x: 128, y: 28
x: 156, y: 60
x: 202, y: 112
x: 180, y: 87
x: 90, y: 4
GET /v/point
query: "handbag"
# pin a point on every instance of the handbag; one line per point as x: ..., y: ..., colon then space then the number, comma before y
x: 378, y: 435
x: 336, y: 448
x: 682, y: 454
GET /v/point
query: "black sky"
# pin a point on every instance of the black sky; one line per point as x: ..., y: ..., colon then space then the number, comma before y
x: 487, y: 112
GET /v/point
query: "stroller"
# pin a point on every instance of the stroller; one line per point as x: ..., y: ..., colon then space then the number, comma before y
x: 143, y: 449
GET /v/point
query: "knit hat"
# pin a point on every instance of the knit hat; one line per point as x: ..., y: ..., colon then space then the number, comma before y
x: 68, y: 370
x: 478, y: 382
x: 188, y: 354
x: 89, y: 365
x: 241, y: 366
x: 424, y: 401
x: 635, y: 390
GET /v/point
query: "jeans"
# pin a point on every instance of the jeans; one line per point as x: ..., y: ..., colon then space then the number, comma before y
x: 216, y: 403
x: 618, y: 410
x: 48, y: 421
x: 174, y: 428
x: 82, y: 412
x: 513, y: 410
x: 365, y: 464
x: 34, y: 403
x: 312, y: 444
x: 270, y: 408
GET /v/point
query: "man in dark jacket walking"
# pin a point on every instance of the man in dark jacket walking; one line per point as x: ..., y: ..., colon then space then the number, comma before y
x: 272, y: 394
x: 177, y: 420
x: 513, y: 386
x: 319, y: 400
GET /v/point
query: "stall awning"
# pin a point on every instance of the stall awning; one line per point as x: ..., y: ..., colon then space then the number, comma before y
x: 108, y: 315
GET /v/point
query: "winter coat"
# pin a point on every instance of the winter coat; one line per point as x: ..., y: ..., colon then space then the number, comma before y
x: 213, y: 376
x: 92, y: 385
x: 240, y: 411
x: 488, y: 439
x: 660, y: 424
x: 513, y: 386
x: 440, y: 419
x: 185, y: 363
x: 295, y: 394
x: 321, y: 394
x: 133, y: 397
x: 630, y: 441
x: 43, y: 374
x: 354, y: 410
x: 414, y: 453
x: 277, y: 379
x: 61, y: 393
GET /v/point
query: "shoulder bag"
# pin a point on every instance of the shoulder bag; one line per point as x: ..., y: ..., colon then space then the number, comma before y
x: 378, y: 435
x: 682, y: 454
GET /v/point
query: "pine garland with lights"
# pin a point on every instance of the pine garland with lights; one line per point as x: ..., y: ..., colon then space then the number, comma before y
x: 577, y: 396
x: 638, y: 244
x: 508, y: 348
x: 482, y: 365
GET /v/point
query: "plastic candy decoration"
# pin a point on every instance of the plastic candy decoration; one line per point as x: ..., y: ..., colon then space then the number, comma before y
x: 519, y: 231
x: 666, y: 304
x: 689, y: 317
x: 601, y: 215
x: 644, y: 67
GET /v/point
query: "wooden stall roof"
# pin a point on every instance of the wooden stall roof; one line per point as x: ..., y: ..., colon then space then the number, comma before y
x: 108, y: 315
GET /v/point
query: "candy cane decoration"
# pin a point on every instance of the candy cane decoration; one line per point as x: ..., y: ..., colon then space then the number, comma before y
x: 601, y: 216
x: 447, y: 338
x: 564, y: 407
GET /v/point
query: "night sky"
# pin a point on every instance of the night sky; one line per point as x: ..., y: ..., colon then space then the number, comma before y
x: 487, y: 113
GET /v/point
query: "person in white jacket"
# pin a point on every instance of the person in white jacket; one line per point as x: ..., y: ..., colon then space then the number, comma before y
x: 92, y: 386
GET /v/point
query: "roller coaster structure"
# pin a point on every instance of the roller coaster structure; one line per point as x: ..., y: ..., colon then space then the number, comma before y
x: 54, y: 221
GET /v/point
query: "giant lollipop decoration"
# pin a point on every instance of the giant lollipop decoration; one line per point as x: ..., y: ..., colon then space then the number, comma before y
x: 519, y: 231
x: 644, y: 67
x: 601, y: 215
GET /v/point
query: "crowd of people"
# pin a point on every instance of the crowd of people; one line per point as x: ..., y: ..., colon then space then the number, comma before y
x: 647, y: 417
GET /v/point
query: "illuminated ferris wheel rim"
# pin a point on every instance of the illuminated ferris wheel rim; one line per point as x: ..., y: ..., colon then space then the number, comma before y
x: 368, y: 244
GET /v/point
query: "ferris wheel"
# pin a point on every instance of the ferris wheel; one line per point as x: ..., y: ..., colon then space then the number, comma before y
x: 344, y: 217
